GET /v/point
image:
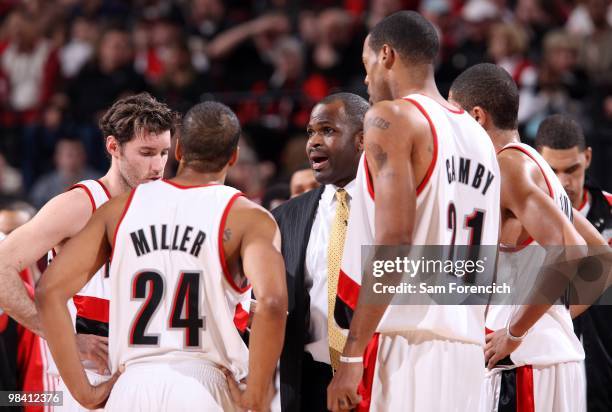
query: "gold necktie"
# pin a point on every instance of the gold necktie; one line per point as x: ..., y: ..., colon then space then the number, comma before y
x: 334, y: 258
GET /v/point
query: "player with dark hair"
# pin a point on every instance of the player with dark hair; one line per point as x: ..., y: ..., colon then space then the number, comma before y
x: 535, y: 210
x: 184, y: 254
x: 411, y: 136
x: 137, y: 131
x: 561, y: 143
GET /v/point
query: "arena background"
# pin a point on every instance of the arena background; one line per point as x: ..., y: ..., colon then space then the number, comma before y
x: 63, y: 62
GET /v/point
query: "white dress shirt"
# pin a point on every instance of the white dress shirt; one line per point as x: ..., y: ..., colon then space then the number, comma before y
x: 315, y: 270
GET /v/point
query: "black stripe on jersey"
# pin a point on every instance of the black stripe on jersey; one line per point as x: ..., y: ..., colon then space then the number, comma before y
x: 507, y: 391
x: 91, y: 327
x: 343, y: 314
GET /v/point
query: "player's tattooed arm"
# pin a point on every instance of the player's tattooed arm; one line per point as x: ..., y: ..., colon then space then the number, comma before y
x: 378, y: 154
x: 227, y: 234
x: 378, y: 122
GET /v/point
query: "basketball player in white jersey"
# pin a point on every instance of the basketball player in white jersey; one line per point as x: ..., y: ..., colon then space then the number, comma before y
x: 535, y: 209
x: 137, y: 131
x: 183, y: 254
x: 404, y: 193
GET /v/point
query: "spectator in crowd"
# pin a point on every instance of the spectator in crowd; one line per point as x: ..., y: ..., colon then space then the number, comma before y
x: 80, y: 48
x: 507, y: 47
x: 275, y: 196
x: 71, y: 167
x: 107, y: 77
x: 10, y: 179
x: 561, y: 83
x: 302, y: 181
x: 249, y: 175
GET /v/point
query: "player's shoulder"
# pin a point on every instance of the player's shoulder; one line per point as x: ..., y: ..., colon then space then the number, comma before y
x: 77, y: 201
x: 402, y: 119
x: 246, y: 209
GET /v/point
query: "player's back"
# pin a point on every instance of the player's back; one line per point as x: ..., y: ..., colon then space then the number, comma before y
x: 173, y: 298
x: 457, y: 204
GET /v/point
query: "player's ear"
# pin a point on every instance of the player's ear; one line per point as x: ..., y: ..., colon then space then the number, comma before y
x: 113, y: 146
x: 234, y: 157
x: 387, y: 56
x: 479, y: 115
x: 588, y: 155
x: 178, y: 150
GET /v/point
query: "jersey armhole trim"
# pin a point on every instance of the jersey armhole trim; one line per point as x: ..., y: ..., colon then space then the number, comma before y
x: 125, y: 210
x: 86, y: 189
x: 98, y: 181
x: 434, y: 135
x: 222, y: 260
x: 529, y: 240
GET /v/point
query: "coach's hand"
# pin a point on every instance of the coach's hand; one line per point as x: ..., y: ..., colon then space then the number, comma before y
x: 342, y: 391
x: 95, y: 397
x: 498, y: 346
x: 95, y: 349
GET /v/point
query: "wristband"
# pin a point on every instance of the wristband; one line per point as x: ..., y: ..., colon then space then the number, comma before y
x: 512, y: 337
x: 351, y: 359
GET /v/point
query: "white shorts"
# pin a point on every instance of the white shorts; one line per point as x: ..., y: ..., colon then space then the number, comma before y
x: 173, y: 387
x: 419, y: 371
x: 555, y: 388
x: 69, y: 404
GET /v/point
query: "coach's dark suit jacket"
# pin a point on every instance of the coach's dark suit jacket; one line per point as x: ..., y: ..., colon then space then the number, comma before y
x: 294, y: 219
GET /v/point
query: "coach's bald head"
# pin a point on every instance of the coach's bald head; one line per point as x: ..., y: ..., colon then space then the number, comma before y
x: 209, y: 137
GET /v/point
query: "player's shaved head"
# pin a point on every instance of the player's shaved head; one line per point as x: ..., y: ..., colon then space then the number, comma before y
x: 409, y: 34
x: 209, y: 136
x: 491, y: 88
x: 560, y: 132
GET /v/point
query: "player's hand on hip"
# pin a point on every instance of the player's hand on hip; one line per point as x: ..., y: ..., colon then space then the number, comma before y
x: 498, y: 346
x: 249, y: 400
x: 94, y: 348
x: 342, y: 391
x: 97, y: 396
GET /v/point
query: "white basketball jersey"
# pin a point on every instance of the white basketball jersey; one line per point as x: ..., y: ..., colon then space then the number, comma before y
x: 457, y: 203
x: 89, y: 308
x: 173, y: 296
x: 552, y: 338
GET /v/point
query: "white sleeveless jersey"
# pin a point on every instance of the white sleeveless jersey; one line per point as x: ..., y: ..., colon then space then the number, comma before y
x: 173, y: 296
x: 89, y: 308
x: 457, y: 203
x: 552, y: 339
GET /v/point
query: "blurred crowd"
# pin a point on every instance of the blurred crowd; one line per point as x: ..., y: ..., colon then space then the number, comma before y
x: 63, y: 62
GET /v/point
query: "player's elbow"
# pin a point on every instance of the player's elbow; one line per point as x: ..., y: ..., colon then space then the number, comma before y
x: 273, y: 305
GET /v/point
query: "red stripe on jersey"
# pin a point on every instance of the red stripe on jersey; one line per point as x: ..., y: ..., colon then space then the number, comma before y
x: 368, y: 177
x: 226, y: 271
x: 585, y: 199
x: 452, y: 110
x: 529, y: 240
x: 30, y: 364
x: 91, y: 307
x: 434, y: 135
x: 524, y: 389
x: 86, y: 189
x: 367, y: 380
x: 125, y: 209
x: 179, y: 186
x: 348, y: 290
x: 104, y: 188
x: 608, y: 197
x: 241, y: 318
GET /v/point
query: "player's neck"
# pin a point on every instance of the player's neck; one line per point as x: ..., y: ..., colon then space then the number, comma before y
x: 187, y: 176
x: 416, y: 83
x: 501, y: 138
x: 113, y: 181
